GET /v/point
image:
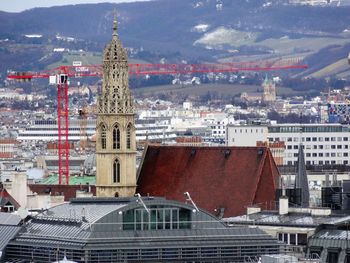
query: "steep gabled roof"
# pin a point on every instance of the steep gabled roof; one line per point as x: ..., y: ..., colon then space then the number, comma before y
x: 6, y: 198
x: 229, y: 178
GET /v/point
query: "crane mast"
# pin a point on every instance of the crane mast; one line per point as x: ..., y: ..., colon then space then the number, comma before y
x: 61, y: 75
x: 62, y: 122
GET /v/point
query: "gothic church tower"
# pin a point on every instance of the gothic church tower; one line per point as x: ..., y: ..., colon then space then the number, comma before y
x: 269, y: 90
x: 115, y: 126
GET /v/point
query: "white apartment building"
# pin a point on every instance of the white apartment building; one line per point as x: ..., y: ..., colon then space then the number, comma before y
x: 217, y: 123
x: 324, y: 144
x: 246, y: 135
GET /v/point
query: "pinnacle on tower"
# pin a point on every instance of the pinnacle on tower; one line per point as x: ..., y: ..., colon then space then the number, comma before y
x: 266, y: 80
x: 115, y: 24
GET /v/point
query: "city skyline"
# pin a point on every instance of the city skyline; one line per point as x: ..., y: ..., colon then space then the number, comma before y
x: 16, y: 6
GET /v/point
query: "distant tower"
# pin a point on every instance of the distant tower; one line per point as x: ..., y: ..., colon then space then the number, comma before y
x: 115, y: 126
x: 269, y: 90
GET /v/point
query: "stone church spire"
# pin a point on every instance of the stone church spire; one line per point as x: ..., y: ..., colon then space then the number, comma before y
x: 115, y: 126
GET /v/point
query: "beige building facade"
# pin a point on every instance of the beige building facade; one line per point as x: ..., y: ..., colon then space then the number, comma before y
x: 115, y: 126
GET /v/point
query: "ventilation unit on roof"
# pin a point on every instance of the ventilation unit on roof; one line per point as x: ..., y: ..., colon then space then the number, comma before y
x: 260, y: 151
x: 193, y: 152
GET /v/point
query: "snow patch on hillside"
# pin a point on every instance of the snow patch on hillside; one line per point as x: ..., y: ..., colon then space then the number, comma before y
x: 198, y: 4
x: 225, y: 36
x: 200, y: 28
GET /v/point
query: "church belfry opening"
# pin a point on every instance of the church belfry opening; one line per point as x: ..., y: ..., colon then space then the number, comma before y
x: 115, y: 138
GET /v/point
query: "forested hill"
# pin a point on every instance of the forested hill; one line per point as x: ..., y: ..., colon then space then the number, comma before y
x: 203, y: 30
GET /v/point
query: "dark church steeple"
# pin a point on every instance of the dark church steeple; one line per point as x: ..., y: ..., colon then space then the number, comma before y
x: 301, y: 181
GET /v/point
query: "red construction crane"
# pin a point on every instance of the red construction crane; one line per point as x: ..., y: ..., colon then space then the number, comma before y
x: 61, y: 75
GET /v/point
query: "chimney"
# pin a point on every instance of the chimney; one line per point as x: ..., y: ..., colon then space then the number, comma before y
x: 283, y: 205
x: 253, y: 210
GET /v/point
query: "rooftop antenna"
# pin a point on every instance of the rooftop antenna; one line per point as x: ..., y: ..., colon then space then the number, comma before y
x: 139, y: 199
x: 187, y: 194
x: 327, y: 183
x: 334, y: 179
x: 163, y: 140
x: 283, y: 187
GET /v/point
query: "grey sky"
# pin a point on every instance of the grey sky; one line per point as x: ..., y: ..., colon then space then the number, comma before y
x: 20, y: 5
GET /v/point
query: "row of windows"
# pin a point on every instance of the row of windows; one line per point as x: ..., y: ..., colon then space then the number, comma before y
x: 157, y: 219
x: 218, y: 132
x: 345, y: 162
x: 328, y: 162
x: 116, y: 137
x: 54, y: 129
x: 45, y: 122
x: 54, y: 122
x: 293, y: 238
x: 315, y: 147
x: 226, y: 253
x: 304, y: 129
x: 310, y: 139
x: 327, y: 154
x: 45, y: 135
x: 194, y: 254
x: 249, y: 130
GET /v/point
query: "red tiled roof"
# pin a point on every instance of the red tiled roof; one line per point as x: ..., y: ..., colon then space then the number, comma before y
x: 216, y: 177
x: 6, y: 155
x: 69, y: 191
x: 188, y: 139
x: 8, y: 141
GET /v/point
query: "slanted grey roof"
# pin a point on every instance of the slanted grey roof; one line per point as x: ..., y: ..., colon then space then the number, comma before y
x: 333, y: 234
x: 73, y: 221
x: 91, y: 212
x: 291, y: 219
x: 330, y: 238
x: 83, y: 223
x: 9, y: 219
x: 6, y: 234
x: 99, y: 226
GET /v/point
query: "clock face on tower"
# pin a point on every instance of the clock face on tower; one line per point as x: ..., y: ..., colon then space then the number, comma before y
x: 115, y: 126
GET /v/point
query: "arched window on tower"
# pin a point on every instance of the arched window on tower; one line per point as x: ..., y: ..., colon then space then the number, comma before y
x: 116, y: 171
x: 128, y: 136
x: 116, y: 138
x: 103, y: 137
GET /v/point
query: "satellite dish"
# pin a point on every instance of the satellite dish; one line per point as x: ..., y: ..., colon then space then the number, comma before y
x: 22, y: 212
